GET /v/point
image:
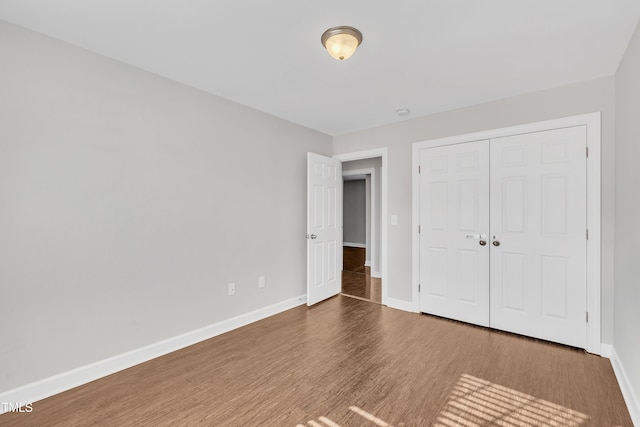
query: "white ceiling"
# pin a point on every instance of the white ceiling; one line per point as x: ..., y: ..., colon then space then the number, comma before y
x: 425, y: 55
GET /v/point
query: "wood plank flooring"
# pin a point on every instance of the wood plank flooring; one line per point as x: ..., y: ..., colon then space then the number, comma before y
x: 353, y: 259
x: 348, y: 362
x: 356, y: 278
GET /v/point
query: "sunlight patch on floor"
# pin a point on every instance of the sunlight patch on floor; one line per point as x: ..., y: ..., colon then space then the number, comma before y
x: 326, y: 422
x: 475, y: 402
x: 370, y: 417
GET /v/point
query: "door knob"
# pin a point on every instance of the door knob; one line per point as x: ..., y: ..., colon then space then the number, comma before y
x: 313, y: 236
x: 482, y: 242
x: 496, y: 243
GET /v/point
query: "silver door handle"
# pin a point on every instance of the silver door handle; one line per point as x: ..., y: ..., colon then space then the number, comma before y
x: 313, y: 236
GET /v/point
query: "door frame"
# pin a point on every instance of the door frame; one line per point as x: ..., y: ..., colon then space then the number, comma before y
x: 383, y: 154
x: 373, y: 237
x: 592, y: 121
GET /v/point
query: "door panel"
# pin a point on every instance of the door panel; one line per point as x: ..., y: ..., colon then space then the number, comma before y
x: 538, y: 216
x: 528, y: 194
x: 324, y: 227
x: 514, y: 272
x: 454, y: 268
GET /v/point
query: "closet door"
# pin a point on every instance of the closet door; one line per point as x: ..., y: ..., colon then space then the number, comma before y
x: 538, y: 235
x: 454, y: 226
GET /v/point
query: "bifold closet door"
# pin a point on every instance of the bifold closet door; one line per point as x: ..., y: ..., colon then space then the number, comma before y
x: 454, y: 224
x: 538, y: 221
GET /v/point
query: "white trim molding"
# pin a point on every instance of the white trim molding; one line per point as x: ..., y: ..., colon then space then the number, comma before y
x: 399, y: 304
x: 630, y: 396
x: 354, y: 245
x: 47, y: 387
x: 592, y: 123
x: 606, y: 350
x: 384, y: 179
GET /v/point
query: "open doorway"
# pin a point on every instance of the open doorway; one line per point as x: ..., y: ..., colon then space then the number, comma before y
x: 324, y: 223
x: 361, y: 272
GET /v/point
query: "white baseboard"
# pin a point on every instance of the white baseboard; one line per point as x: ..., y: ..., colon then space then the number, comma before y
x: 606, y: 350
x: 354, y: 245
x: 47, y: 387
x: 630, y: 396
x: 400, y: 304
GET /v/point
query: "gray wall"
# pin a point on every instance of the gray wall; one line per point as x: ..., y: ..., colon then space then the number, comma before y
x: 626, y: 340
x: 354, y: 212
x: 587, y: 97
x: 128, y: 202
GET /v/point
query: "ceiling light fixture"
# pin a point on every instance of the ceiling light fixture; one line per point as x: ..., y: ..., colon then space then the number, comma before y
x: 341, y: 42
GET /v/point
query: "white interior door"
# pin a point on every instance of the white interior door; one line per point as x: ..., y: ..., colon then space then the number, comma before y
x: 538, y: 219
x: 527, y: 194
x: 454, y: 228
x: 324, y: 227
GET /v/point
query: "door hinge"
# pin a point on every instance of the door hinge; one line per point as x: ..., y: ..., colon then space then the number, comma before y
x: 587, y: 317
x: 418, y: 229
x: 587, y: 234
x: 418, y: 287
x: 587, y: 152
x: 419, y: 169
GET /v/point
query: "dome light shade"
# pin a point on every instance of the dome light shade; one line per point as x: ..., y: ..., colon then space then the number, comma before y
x: 341, y: 42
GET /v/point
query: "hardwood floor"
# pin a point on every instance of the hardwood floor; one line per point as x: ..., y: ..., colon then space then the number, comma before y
x: 362, y: 285
x: 349, y: 362
x: 353, y: 259
x: 356, y: 278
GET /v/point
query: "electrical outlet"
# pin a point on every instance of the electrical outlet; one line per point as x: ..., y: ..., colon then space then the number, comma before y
x: 232, y: 288
x: 261, y: 281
